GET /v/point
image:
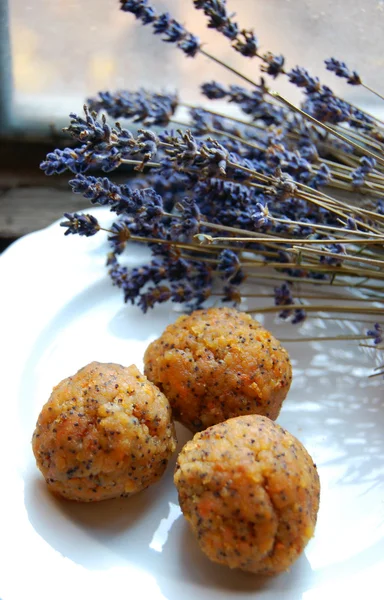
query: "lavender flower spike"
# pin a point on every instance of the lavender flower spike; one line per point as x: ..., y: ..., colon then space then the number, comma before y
x: 229, y: 264
x: 143, y: 106
x: 367, y: 165
x: 244, y: 40
x: 341, y: 70
x: 86, y: 225
x: 173, y: 31
x: 218, y: 17
x: 300, y: 77
x: 377, y: 333
x: 69, y: 159
x: 273, y: 64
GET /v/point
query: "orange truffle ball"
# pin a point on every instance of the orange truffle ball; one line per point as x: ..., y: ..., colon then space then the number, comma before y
x: 105, y: 432
x: 250, y: 492
x: 219, y: 363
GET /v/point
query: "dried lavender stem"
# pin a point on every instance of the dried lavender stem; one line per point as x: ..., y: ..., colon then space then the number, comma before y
x: 368, y: 188
x: 330, y: 130
x: 332, y: 209
x: 334, y: 166
x: 129, y: 161
x: 222, y: 133
x: 367, y: 87
x: 373, y: 188
x: 308, y: 296
x: 228, y: 67
x: 305, y: 267
x: 319, y: 308
x: 332, y: 228
x: 361, y: 137
x: 336, y: 338
x: 370, y: 345
x: 264, y: 178
x: 315, y: 267
x: 283, y: 100
x: 284, y: 72
x: 347, y: 257
x: 347, y: 319
x: 280, y: 98
x: 315, y: 282
x: 310, y: 197
x: 352, y: 161
x: 347, y: 207
x: 379, y: 373
x: 283, y: 240
x: 251, y: 124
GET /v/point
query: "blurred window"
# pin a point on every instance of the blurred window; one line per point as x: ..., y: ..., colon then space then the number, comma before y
x: 62, y: 51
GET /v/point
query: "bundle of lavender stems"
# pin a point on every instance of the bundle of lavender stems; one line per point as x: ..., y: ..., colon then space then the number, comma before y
x: 281, y: 202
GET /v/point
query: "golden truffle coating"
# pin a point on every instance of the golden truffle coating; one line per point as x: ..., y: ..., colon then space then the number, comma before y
x: 250, y: 492
x: 105, y: 432
x: 216, y: 364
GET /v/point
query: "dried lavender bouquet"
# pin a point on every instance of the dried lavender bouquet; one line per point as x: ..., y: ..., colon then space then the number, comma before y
x: 296, y: 189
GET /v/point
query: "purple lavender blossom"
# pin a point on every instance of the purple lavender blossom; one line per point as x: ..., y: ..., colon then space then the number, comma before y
x: 153, y: 296
x: 261, y: 218
x: 377, y: 333
x: 80, y: 224
x: 189, y: 222
x: 300, y: 77
x: 326, y: 107
x: 229, y: 264
x: 101, y: 146
x: 69, y: 159
x: 172, y: 31
x: 273, y: 64
x: 182, y: 292
x: 299, y: 315
x: 336, y: 259
x: 252, y: 103
x: 283, y: 297
x: 142, y: 106
x: 214, y: 90
x: 322, y: 103
x: 367, y: 165
x: 120, y: 236
x: 218, y: 18
x: 145, y: 204
x: 244, y: 40
x: 341, y: 70
x: 322, y: 178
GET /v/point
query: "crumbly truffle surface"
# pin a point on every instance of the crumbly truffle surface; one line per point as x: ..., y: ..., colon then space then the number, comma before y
x: 250, y: 492
x: 105, y: 432
x: 216, y: 364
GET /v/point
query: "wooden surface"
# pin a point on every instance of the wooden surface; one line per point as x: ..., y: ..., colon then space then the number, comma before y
x: 23, y: 210
x: 28, y: 199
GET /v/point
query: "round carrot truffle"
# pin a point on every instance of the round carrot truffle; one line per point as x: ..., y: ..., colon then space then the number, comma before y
x: 216, y: 364
x: 250, y: 492
x: 105, y: 432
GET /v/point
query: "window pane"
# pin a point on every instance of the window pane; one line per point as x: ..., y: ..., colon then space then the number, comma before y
x: 65, y: 50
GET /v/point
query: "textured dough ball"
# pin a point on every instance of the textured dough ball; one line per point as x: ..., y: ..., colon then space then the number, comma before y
x: 105, y: 432
x: 250, y: 492
x: 216, y: 364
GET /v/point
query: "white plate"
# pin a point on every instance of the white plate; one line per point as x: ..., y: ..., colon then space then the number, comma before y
x: 59, y: 312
